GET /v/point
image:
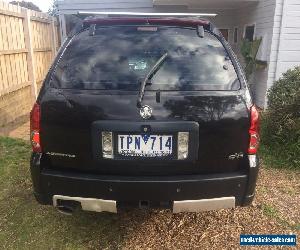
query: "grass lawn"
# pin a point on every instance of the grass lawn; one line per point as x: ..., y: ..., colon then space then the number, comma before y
x: 26, y: 225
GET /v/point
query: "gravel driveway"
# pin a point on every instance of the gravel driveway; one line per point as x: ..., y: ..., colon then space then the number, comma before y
x: 275, y: 210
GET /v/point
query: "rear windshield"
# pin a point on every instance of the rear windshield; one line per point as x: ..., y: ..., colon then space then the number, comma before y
x: 119, y: 57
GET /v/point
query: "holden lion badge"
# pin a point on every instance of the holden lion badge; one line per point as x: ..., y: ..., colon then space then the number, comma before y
x: 146, y: 112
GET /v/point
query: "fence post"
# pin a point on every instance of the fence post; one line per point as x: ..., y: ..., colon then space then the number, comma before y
x: 63, y: 28
x: 30, y: 54
x: 54, y: 43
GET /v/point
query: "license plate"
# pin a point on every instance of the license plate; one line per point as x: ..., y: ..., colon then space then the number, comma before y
x: 145, y: 145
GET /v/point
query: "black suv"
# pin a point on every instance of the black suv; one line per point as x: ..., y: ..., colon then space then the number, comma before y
x: 145, y: 111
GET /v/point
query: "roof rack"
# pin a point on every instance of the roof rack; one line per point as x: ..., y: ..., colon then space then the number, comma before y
x: 139, y: 14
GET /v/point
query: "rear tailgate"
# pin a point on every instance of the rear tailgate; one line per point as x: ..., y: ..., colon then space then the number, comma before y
x: 72, y: 122
x: 196, y: 89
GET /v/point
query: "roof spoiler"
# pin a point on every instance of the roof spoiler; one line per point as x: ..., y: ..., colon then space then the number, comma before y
x: 89, y: 16
x: 146, y: 14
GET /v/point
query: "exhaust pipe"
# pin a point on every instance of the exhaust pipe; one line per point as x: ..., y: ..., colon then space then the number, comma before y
x: 66, y: 210
x: 67, y: 204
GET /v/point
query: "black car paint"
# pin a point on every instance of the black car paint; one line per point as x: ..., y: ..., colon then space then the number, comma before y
x: 68, y: 115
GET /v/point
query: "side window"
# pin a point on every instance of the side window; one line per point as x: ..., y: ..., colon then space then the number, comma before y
x: 235, y: 35
x: 249, y: 32
x: 225, y: 33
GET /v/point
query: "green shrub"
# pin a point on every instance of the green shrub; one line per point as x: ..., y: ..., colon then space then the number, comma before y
x: 280, y: 131
x: 249, y: 50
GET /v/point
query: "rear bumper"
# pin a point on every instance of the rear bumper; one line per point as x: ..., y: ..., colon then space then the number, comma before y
x: 48, y: 183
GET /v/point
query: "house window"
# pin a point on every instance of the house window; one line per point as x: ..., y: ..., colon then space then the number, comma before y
x: 235, y: 35
x: 249, y: 32
x: 225, y: 33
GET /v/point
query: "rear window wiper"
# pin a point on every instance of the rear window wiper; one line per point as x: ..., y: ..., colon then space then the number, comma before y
x: 152, y: 71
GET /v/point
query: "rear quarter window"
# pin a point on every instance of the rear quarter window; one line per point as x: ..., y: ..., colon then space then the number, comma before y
x: 119, y: 57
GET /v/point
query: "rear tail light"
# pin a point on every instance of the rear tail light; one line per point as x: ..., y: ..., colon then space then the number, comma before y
x: 107, y: 145
x: 183, y: 145
x: 35, y: 118
x: 253, y: 131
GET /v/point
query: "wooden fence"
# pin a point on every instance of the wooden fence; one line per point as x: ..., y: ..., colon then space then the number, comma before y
x: 28, y: 43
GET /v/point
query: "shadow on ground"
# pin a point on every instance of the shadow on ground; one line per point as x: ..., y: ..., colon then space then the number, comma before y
x: 19, y: 128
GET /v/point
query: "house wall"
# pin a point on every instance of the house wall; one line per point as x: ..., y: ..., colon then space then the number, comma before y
x: 72, y: 6
x: 262, y: 15
x: 275, y: 42
x: 287, y: 42
x: 223, y: 20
